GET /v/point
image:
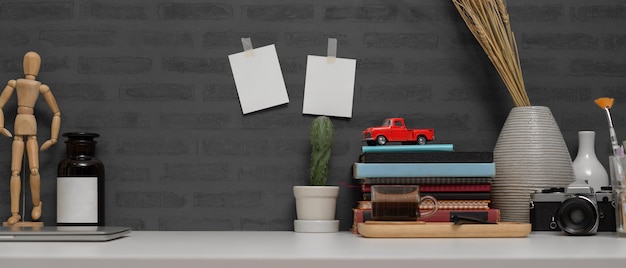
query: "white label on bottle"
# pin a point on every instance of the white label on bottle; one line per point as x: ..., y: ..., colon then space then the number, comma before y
x: 77, y: 199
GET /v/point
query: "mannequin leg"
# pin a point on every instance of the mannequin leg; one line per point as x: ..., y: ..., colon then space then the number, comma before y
x: 35, y: 184
x: 16, y: 186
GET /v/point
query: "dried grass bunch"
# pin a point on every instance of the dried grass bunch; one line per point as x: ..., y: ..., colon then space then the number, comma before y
x: 488, y: 20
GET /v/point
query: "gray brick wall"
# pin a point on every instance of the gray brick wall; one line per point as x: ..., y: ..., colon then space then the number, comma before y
x: 153, y: 78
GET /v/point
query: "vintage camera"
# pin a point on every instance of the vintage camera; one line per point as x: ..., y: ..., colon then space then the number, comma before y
x: 576, y: 210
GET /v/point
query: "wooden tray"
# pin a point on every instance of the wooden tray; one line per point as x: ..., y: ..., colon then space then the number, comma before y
x: 392, y: 229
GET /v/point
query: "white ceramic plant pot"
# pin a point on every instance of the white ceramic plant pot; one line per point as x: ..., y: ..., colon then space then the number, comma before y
x: 315, y: 209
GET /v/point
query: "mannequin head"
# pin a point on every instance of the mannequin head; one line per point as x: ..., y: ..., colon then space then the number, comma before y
x: 32, y: 62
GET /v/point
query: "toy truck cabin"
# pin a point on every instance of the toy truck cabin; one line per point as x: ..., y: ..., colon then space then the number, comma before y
x: 395, y: 130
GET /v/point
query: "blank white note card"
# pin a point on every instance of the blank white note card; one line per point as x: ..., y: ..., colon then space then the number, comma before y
x: 258, y: 78
x: 329, y: 87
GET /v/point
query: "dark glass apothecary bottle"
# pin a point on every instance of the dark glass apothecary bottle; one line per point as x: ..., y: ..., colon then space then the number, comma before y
x: 80, y: 182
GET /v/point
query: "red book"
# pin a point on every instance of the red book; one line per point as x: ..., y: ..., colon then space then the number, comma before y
x: 458, y: 195
x: 456, y: 187
x: 442, y: 215
x: 443, y: 204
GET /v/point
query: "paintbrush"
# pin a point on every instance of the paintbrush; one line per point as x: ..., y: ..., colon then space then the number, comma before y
x: 606, y: 104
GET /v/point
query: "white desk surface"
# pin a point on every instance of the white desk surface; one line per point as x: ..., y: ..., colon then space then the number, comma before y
x: 302, y: 250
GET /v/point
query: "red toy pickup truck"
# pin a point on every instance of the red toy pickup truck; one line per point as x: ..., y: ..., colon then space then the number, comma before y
x: 394, y: 130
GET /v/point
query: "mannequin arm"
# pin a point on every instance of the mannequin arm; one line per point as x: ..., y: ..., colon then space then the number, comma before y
x: 56, y: 118
x: 4, y: 98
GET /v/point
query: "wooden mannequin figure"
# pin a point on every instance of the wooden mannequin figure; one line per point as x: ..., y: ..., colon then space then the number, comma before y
x: 25, y: 129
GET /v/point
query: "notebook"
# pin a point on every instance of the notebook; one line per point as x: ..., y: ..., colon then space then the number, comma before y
x: 62, y: 233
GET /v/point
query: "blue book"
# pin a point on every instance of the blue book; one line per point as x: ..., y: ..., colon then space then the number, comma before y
x: 425, y: 180
x: 381, y: 170
x: 408, y: 148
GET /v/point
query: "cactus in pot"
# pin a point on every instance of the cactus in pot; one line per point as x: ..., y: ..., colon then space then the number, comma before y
x: 322, y: 137
x: 316, y: 203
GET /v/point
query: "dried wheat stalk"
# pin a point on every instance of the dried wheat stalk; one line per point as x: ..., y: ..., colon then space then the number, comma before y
x: 488, y: 20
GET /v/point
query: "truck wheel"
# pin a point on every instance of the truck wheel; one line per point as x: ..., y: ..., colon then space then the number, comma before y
x: 421, y: 140
x: 381, y: 140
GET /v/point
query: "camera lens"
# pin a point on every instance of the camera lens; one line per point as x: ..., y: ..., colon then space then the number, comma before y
x: 578, y: 216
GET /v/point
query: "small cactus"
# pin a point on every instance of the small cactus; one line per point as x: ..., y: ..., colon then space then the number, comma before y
x: 322, y: 138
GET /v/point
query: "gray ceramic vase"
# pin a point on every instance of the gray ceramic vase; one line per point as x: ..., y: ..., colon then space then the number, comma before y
x: 530, y: 155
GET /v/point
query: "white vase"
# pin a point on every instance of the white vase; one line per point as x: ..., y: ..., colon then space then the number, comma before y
x: 530, y: 155
x: 586, y: 166
x: 315, y: 209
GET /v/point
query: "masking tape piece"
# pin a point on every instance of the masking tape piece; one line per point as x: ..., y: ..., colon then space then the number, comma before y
x: 332, y: 50
x: 247, y: 46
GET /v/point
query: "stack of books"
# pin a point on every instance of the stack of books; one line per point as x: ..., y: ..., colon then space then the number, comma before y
x: 460, y: 181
